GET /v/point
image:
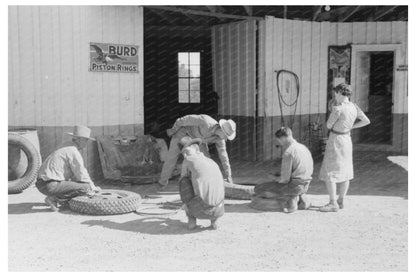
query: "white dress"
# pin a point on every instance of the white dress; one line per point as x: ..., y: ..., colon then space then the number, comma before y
x: 337, y: 164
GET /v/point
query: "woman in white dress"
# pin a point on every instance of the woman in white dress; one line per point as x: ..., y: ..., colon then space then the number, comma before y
x: 337, y: 165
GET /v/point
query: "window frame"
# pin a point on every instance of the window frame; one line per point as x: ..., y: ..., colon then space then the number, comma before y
x: 189, y: 78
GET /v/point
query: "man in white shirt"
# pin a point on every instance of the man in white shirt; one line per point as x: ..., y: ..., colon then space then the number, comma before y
x: 63, y: 175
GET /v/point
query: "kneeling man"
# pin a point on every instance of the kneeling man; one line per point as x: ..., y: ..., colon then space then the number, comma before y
x: 201, y: 185
x: 295, y: 175
x: 62, y: 175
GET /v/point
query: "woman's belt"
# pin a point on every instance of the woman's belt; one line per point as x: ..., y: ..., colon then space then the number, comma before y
x: 339, y: 133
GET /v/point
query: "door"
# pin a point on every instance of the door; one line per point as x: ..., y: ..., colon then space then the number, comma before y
x: 177, y: 76
x: 373, y: 93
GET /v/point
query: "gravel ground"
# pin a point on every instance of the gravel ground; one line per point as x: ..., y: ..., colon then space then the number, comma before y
x: 370, y: 234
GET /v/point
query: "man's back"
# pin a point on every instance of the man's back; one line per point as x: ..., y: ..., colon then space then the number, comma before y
x: 302, y: 161
x: 206, y: 178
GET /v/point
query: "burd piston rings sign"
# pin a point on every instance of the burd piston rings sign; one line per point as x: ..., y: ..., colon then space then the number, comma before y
x: 108, y: 57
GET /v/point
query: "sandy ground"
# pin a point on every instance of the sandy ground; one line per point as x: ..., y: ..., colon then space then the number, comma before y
x: 370, y: 234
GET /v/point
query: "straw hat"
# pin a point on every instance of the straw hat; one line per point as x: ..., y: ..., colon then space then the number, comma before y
x: 81, y: 132
x: 229, y: 128
x: 187, y: 141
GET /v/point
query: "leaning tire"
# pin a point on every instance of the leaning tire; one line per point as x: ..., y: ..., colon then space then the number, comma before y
x: 107, y: 202
x: 235, y: 191
x: 33, y: 164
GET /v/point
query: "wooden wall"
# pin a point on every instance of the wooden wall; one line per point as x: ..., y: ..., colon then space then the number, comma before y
x: 50, y: 87
x: 302, y: 47
x: 234, y: 70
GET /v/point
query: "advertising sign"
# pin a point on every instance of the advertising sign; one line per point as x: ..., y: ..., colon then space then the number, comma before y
x: 109, y: 57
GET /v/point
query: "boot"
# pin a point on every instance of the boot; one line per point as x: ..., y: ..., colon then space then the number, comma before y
x: 214, y: 223
x: 52, y: 202
x: 191, y: 222
x: 304, y: 202
x: 292, y: 205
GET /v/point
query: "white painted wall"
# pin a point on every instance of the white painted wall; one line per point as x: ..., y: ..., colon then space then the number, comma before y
x: 49, y: 81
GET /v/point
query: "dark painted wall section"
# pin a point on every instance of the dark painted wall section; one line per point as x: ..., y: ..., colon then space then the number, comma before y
x: 51, y: 137
x: 161, y: 45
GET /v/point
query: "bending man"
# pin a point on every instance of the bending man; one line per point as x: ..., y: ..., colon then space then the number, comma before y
x: 209, y: 131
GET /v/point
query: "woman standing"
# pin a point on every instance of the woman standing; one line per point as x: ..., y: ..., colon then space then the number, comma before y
x: 337, y: 165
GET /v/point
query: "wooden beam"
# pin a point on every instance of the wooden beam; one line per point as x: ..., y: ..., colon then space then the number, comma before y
x: 316, y: 12
x: 383, y: 11
x: 249, y: 10
x: 203, y: 13
x: 212, y: 9
x: 350, y: 13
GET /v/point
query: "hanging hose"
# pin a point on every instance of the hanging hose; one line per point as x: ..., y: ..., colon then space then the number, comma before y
x: 281, y: 100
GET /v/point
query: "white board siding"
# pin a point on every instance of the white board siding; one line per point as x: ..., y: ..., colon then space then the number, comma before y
x: 50, y: 84
x: 280, y: 36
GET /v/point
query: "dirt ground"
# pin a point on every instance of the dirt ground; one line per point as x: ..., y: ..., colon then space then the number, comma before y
x: 370, y: 234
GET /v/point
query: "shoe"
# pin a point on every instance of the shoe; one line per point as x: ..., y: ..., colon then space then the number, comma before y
x: 214, y: 224
x: 292, y: 205
x: 304, y: 203
x: 52, y: 202
x: 160, y: 187
x: 329, y: 208
x: 191, y: 223
x: 340, y: 202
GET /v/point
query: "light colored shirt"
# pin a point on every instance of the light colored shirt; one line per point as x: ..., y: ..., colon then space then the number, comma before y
x: 343, y: 117
x: 203, y: 126
x: 297, y: 163
x: 206, y: 178
x: 65, y: 164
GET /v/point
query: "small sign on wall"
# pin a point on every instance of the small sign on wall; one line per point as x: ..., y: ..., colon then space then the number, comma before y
x: 109, y: 57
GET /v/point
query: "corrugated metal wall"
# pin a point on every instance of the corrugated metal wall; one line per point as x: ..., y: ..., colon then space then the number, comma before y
x: 234, y: 70
x: 302, y: 47
x: 50, y: 87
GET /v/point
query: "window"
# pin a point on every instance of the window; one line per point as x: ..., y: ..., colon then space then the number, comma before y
x: 189, y: 85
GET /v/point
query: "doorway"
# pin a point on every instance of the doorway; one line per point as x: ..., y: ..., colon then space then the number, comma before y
x: 372, y: 77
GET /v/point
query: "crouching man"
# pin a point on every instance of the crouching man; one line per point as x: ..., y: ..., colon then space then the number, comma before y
x: 201, y: 186
x: 62, y: 175
x: 295, y: 175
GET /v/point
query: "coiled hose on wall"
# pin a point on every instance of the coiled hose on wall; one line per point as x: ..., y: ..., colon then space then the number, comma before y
x: 281, y: 100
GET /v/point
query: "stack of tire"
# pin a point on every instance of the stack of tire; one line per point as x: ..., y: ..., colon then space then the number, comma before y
x: 23, y: 167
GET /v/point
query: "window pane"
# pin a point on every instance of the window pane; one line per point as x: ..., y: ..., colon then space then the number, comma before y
x: 195, y: 96
x: 194, y: 58
x: 183, y: 96
x: 194, y: 84
x: 183, y: 58
x: 194, y: 71
x: 183, y: 84
x: 183, y: 70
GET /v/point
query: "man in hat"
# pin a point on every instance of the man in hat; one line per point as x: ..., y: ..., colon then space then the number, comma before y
x: 62, y: 175
x: 209, y: 131
x: 201, y: 185
x: 295, y: 175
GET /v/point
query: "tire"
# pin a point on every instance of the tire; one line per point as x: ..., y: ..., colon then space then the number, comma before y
x: 33, y: 165
x: 235, y: 191
x: 107, y: 202
x: 266, y: 204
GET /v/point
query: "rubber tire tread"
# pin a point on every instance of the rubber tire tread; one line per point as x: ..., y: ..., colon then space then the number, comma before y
x: 86, y: 205
x: 33, y: 164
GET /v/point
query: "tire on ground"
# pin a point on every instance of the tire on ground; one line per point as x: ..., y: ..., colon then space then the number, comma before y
x: 33, y: 165
x: 235, y: 191
x: 107, y: 202
x: 266, y: 204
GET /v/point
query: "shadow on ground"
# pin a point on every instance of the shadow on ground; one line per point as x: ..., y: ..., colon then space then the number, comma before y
x: 149, y: 225
x: 27, y: 208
